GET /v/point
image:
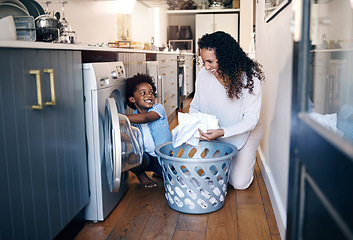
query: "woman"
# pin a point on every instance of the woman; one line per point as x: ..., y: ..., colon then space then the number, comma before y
x: 229, y: 87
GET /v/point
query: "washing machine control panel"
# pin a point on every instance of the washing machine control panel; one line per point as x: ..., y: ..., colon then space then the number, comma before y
x: 113, y: 74
x: 118, y: 72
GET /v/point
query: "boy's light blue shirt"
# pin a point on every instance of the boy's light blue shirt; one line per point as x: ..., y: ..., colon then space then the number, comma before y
x: 159, y: 128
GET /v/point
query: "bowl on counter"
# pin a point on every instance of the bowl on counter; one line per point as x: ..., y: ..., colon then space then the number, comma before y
x: 7, y: 28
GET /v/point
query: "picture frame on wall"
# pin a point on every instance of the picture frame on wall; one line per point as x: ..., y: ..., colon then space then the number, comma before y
x: 273, y: 7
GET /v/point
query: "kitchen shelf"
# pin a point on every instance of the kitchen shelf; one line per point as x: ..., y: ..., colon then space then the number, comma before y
x: 333, y: 50
x: 221, y: 10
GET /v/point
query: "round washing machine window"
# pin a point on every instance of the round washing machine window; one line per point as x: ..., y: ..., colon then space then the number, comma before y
x: 116, y: 95
x: 112, y: 145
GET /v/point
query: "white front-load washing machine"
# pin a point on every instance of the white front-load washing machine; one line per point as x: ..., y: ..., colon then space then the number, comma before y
x: 113, y: 145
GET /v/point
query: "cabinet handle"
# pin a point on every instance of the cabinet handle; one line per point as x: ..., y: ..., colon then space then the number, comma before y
x: 52, y: 87
x: 39, y: 89
x: 165, y: 101
x: 163, y: 60
x: 164, y: 74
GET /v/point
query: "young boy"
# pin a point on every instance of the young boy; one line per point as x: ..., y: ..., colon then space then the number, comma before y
x: 152, y: 121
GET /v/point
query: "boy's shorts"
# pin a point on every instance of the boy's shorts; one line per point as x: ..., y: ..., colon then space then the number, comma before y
x: 153, y: 164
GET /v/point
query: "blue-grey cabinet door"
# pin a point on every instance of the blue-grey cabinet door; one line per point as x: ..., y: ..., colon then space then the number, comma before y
x: 43, y: 165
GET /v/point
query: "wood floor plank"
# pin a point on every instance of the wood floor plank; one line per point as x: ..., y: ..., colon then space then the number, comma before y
x: 135, y: 218
x: 271, y: 219
x: 92, y: 232
x: 222, y: 224
x: 188, y: 235
x: 250, y: 195
x: 162, y: 223
x: 192, y: 222
x: 252, y: 222
x: 276, y: 237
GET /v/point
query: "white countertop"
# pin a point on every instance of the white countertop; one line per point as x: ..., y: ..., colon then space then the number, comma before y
x: 79, y: 47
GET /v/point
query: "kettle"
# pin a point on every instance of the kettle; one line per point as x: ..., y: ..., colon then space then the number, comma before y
x: 47, y: 28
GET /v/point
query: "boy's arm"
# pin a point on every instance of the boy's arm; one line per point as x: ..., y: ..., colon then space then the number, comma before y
x: 143, y: 117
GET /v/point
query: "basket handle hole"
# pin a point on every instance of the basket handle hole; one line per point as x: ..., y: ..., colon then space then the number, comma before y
x: 220, y: 180
x: 185, y: 170
x: 205, y: 153
x: 195, y: 182
x: 181, y: 181
x: 199, y: 171
x: 225, y: 167
x: 180, y: 153
x: 214, y: 170
x: 172, y: 169
x: 216, y: 154
x: 192, y: 152
x: 209, y: 182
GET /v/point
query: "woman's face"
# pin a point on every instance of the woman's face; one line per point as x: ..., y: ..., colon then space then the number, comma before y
x: 209, y: 60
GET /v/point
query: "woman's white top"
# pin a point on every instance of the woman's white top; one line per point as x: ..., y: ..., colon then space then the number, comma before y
x: 237, y: 117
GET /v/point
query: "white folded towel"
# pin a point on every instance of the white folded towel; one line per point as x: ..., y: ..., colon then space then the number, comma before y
x: 187, y: 130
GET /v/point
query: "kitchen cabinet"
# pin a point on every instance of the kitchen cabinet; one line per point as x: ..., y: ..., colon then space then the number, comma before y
x: 133, y: 62
x: 209, y: 23
x: 189, y: 74
x: 167, y: 70
x: 43, y: 165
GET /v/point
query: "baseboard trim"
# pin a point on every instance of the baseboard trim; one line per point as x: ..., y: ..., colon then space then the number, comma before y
x: 277, y: 206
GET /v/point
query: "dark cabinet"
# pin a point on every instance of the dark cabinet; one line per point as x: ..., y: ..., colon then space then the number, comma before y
x: 43, y: 165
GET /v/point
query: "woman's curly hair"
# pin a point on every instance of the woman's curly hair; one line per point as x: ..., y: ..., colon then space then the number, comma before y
x: 133, y: 82
x: 232, y: 62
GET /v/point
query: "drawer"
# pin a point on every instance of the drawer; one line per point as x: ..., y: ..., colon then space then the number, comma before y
x: 189, y: 88
x: 169, y: 85
x: 170, y: 102
x: 165, y: 60
x: 168, y: 70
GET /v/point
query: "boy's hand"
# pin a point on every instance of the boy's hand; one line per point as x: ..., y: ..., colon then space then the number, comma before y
x: 211, y: 134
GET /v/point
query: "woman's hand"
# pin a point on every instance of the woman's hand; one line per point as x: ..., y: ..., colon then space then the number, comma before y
x: 211, y: 134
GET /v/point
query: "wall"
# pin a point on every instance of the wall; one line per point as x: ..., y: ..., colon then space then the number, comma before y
x: 274, y: 50
x: 97, y: 21
x: 94, y: 21
x: 149, y: 22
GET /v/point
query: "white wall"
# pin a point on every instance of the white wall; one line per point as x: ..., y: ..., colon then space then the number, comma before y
x: 94, y: 21
x: 147, y: 23
x: 274, y: 50
x: 97, y: 21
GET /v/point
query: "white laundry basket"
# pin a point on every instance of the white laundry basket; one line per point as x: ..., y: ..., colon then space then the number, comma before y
x: 196, y: 178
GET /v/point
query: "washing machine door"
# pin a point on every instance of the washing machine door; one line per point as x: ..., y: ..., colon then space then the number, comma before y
x: 123, y: 144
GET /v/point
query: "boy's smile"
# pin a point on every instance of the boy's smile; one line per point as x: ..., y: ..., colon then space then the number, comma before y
x: 143, y: 97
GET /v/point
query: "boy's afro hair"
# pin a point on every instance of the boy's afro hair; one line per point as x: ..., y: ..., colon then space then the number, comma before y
x: 131, y: 84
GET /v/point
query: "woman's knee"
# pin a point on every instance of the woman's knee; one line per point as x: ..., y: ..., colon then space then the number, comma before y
x: 241, y: 184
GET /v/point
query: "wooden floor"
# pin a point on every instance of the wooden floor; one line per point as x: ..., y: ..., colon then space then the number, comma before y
x: 144, y: 214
